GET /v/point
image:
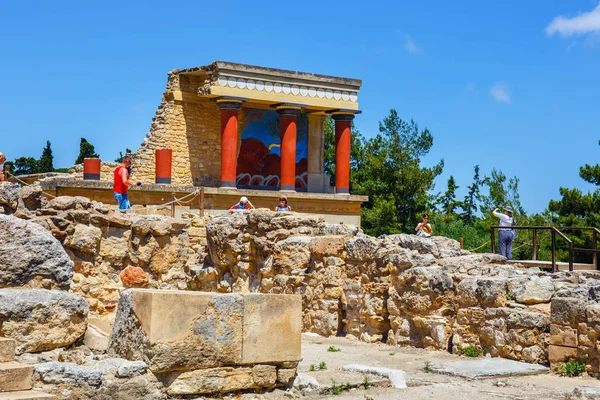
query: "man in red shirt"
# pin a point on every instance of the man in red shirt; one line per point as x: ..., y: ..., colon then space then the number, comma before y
x: 122, y: 184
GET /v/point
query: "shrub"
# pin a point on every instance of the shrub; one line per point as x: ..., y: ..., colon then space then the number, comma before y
x: 572, y: 368
x: 471, y: 351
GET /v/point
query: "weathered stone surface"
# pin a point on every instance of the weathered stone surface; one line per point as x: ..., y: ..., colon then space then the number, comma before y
x: 178, y: 330
x: 172, y: 330
x: 487, y: 368
x: 15, y: 376
x: 567, y: 310
x: 264, y: 375
x: 85, y: 238
x: 535, y: 290
x: 272, y: 328
x: 108, y: 379
x: 7, y: 349
x: 213, y: 380
x: 28, y: 251
x: 64, y: 203
x: 97, y: 334
x: 563, y: 336
x: 286, y: 376
x: 134, y: 277
x: 41, y: 320
x: 558, y: 354
x: 9, y: 197
x: 585, y: 393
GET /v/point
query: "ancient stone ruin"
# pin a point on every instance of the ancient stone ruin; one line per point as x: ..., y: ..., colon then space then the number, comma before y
x: 110, y: 306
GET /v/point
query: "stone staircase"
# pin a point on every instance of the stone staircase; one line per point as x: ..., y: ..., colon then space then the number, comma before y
x: 16, y: 379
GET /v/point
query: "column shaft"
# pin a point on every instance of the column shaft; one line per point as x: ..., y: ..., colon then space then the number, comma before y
x: 287, y: 123
x: 343, y: 139
x: 229, y: 138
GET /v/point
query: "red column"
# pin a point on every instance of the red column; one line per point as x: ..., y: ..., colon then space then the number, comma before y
x: 342, y: 152
x: 287, y: 124
x: 229, y: 138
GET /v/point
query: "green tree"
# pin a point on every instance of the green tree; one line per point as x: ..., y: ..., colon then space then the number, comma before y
x: 390, y: 173
x: 470, y: 203
x: 86, y: 150
x: 25, y: 166
x: 45, y: 163
x: 121, y: 155
x: 502, y: 192
x: 448, y: 200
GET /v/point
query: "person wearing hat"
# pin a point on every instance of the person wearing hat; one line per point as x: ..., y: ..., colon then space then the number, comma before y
x: 2, y: 160
x: 243, y: 204
x: 505, y: 235
x: 283, y: 205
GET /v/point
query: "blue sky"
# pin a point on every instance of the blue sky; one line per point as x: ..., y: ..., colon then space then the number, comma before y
x: 499, y: 84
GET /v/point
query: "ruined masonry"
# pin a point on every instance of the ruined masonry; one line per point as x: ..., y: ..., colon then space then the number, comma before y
x: 110, y: 276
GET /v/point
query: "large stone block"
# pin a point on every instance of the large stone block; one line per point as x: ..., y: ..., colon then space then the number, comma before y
x: 558, y: 354
x: 563, y: 336
x: 180, y: 331
x: 41, y: 320
x: 28, y: 251
x: 7, y: 349
x: 212, y: 380
x: 14, y: 376
x: 567, y: 310
x: 272, y: 328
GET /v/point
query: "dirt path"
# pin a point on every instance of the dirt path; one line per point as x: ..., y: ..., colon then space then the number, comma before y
x: 421, y: 385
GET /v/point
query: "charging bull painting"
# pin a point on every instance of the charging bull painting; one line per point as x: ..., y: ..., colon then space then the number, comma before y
x: 258, y: 163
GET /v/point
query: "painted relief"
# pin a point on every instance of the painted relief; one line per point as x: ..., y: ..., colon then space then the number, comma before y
x: 259, y: 158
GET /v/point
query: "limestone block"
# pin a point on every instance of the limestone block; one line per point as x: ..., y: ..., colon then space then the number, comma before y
x: 567, y: 310
x: 563, y: 336
x: 180, y: 330
x: 41, y: 320
x: 534, y: 291
x: 264, y: 375
x: 285, y: 376
x: 557, y: 354
x: 29, y: 251
x: 213, y: 380
x: 272, y: 328
x: 7, y: 349
x: 85, y: 238
x: 134, y: 276
x: 15, y: 376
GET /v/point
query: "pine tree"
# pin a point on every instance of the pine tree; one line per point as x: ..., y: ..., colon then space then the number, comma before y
x: 121, y: 155
x: 449, y: 202
x: 469, y: 205
x: 86, y: 150
x: 45, y: 162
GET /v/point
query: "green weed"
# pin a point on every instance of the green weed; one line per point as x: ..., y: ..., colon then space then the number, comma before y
x: 471, y: 351
x: 366, y: 384
x: 312, y: 367
x: 572, y: 368
x: 427, y: 367
x: 333, y: 349
x: 322, y: 365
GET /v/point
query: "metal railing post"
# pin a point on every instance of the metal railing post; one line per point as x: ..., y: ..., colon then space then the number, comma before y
x: 595, y: 244
x: 554, y: 266
x: 534, y: 253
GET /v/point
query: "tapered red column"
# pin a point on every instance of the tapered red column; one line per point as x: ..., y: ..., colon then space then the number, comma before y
x: 343, y: 137
x: 287, y: 123
x: 229, y: 138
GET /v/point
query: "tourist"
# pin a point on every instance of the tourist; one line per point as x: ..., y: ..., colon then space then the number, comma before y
x: 424, y: 229
x: 505, y: 235
x: 2, y: 160
x: 283, y: 205
x: 122, y: 183
x: 243, y: 204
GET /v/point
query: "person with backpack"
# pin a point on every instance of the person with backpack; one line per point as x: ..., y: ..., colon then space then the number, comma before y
x: 505, y: 235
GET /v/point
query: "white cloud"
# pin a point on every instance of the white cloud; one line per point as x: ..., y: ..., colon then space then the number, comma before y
x: 500, y: 93
x: 588, y: 22
x: 411, y: 47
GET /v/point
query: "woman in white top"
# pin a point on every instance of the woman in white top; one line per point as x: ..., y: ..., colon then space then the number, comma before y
x: 505, y: 236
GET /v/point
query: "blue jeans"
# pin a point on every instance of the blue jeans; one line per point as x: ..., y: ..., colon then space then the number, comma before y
x: 122, y: 201
x: 505, y: 239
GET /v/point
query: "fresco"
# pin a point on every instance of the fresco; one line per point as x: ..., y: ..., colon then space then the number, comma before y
x: 259, y: 159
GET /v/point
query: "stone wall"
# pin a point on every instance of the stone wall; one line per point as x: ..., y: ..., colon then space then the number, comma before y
x: 191, y: 127
x: 397, y: 289
x: 107, y: 170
